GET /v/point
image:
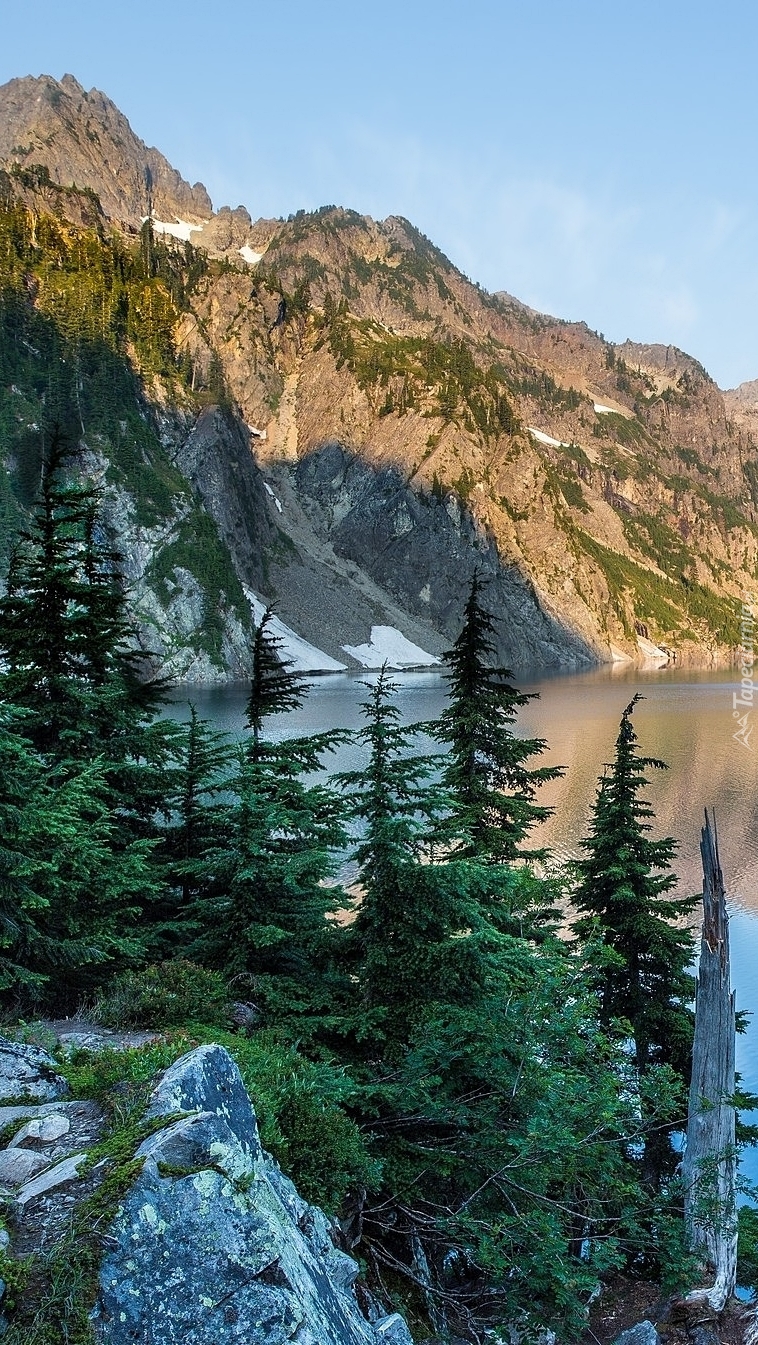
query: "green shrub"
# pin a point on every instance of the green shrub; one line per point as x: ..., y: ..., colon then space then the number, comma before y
x: 301, y: 1106
x: 168, y: 994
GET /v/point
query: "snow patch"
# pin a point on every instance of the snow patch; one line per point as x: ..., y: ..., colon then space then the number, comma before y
x: 276, y: 500
x: 258, y: 434
x: 543, y: 438
x: 304, y: 657
x: 178, y: 229
x: 388, y: 645
x: 247, y: 255
x: 604, y: 410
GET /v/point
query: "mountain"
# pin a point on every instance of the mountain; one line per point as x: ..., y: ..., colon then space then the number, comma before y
x: 84, y: 140
x: 325, y: 412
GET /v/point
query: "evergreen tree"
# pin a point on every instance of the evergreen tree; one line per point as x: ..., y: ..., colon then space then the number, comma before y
x: 491, y: 785
x: 64, y: 634
x: 624, y: 883
x: 264, y: 908
x: 417, y: 935
x: 504, y: 1132
x: 41, y: 612
x: 274, y: 687
x: 69, y: 896
x: 198, y: 822
x: 267, y: 897
x: 20, y: 905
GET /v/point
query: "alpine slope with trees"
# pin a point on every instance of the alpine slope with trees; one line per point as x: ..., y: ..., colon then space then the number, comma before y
x: 410, y: 427
x: 485, y: 1105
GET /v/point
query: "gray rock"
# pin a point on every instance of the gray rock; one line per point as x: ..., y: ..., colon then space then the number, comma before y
x: 644, y: 1333
x: 196, y: 1142
x: 207, y: 1080
x: 40, y: 1131
x: 423, y: 552
x: 227, y: 1252
x: 18, y: 1165
x: 20, y: 1113
x: 244, y: 1015
x: 27, y: 1071
x: 393, y: 1331
x: 59, y: 1175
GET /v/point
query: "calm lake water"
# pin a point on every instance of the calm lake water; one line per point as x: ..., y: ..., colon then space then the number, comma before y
x: 686, y: 720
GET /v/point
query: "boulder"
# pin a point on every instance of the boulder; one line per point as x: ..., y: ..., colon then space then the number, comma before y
x: 213, y: 1244
x: 28, y: 1072
x: 62, y: 1174
x: 41, y: 1131
x: 207, y: 1080
x: 644, y: 1333
x: 17, y: 1166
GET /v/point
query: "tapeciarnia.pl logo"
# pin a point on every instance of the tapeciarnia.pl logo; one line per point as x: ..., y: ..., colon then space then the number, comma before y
x: 742, y: 700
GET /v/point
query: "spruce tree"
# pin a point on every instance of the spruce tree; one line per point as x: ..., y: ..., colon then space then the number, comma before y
x: 623, y: 896
x: 198, y: 822
x: 416, y: 935
x: 65, y: 639
x: 266, y: 896
x: 40, y: 613
x: 274, y: 687
x: 264, y: 905
x: 491, y: 785
x: 70, y: 892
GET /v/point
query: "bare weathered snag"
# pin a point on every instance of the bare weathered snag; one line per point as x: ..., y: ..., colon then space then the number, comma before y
x: 709, y: 1166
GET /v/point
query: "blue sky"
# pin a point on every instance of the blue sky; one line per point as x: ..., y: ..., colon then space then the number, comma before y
x: 596, y: 160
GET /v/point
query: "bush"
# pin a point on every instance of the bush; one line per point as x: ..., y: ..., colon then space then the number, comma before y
x: 302, y: 1108
x: 168, y: 994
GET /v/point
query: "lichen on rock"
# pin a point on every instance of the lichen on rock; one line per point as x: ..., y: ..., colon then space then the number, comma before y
x: 213, y: 1245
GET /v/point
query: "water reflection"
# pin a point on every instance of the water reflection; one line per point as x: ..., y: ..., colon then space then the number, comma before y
x: 685, y: 719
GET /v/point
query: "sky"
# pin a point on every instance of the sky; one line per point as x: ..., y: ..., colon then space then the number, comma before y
x: 596, y: 160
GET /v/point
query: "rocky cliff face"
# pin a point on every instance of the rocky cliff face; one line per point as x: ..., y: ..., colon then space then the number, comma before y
x: 83, y: 139
x: 390, y: 427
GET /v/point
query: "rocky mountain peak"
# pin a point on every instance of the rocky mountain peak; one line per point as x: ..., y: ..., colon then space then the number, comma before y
x: 84, y: 140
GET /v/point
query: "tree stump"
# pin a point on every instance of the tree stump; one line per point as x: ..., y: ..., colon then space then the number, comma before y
x: 709, y: 1166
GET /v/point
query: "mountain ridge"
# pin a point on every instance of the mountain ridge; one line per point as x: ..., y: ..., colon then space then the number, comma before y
x: 407, y: 417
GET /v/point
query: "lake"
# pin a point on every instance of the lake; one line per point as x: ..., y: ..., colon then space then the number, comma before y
x: 687, y: 719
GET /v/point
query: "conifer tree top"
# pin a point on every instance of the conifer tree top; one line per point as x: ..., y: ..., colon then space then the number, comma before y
x: 274, y: 687
x: 492, y: 786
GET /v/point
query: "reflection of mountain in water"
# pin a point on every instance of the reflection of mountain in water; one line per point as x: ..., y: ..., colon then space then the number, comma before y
x: 686, y: 720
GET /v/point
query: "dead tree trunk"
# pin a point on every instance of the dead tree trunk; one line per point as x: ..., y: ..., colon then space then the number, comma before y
x: 709, y: 1167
